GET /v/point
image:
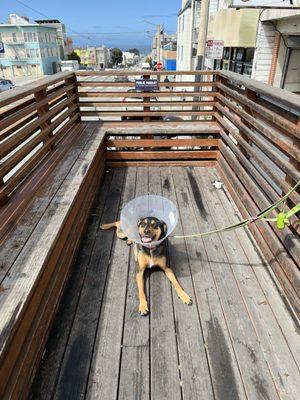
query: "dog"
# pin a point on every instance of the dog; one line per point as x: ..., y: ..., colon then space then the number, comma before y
x: 150, y: 230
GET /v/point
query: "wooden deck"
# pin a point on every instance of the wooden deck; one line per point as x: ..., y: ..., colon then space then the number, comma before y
x: 238, y: 340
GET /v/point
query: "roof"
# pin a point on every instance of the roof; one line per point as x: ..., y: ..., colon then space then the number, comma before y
x: 47, y: 21
x: 26, y: 26
x: 188, y: 4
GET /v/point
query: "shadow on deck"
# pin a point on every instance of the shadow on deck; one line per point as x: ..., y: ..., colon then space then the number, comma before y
x: 232, y: 343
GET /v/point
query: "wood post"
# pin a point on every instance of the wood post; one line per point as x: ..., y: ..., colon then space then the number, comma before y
x: 69, y: 93
x: 41, y: 95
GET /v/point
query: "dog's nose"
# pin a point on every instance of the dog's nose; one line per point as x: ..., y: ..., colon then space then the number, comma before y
x: 147, y: 231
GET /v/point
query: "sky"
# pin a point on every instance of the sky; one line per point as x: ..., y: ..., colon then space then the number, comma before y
x: 115, y: 23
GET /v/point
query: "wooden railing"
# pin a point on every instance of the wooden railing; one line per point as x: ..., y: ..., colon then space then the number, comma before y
x: 255, y: 141
x: 33, y: 120
x: 259, y: 159
x: 101, y: 99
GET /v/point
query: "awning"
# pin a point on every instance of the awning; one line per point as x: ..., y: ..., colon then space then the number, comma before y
x: 237, y: 28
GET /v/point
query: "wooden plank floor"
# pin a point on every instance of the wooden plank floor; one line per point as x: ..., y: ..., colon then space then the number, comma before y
x: 239, y: 339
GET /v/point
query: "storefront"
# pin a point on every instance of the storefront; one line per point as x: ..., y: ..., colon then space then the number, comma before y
x: 238, y: 30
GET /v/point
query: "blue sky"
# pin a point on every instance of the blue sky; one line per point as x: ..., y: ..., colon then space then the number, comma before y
x: 114, y: 23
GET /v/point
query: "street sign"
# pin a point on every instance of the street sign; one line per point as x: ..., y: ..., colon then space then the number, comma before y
x: 146, y: 85
x: 2, y: 49
x: 159, y: 66
x: 214, y: 49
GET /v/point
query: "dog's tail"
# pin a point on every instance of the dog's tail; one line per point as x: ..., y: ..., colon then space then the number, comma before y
x: 109, y: 226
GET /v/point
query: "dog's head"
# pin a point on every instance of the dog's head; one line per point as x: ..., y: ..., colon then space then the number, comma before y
x: 151, y: 229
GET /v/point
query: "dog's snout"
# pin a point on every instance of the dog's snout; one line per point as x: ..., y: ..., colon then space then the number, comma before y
x: 147, y: 230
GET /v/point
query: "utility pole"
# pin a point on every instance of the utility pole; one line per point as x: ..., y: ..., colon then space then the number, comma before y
x: 159, y: 30
x: 202, y: 33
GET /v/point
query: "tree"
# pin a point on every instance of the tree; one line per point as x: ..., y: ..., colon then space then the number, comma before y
x: 134, y: 51
x: 74, y: 56
x: 116, y: 56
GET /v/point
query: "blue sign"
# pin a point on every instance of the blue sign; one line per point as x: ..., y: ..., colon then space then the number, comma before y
x: 2, y: 50
x: 146, y: 85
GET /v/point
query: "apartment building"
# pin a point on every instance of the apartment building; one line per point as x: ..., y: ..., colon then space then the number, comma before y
x: 61, y: 34
x: 95, y: 57
x: 28, y: 49
x: 102, y: 57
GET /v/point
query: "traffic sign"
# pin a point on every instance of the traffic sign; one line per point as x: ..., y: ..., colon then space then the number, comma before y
x: 2, y: 49
x: 159, y: 66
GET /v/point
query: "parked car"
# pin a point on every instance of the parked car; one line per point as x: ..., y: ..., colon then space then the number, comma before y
x: 135, y: 99
x: 6, y: 84
x: 121, y: 79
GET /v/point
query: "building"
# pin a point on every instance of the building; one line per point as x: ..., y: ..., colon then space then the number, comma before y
x: 188, y: 26
x: 61, y: 34
x: 29, y: 49
x: 69, y: 45
x: 261, y: 43
x: 169, y: 56
x: 159, y: 41
x: 102, y: 57
x: 87, y: 56
x: 129, y: 58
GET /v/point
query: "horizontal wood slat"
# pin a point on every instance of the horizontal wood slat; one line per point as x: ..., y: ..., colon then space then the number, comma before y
x: 122, y: 94
x: 161, y: 143
x: 144, y: 113
x: 132, y: 84
x: 160, y: 155
x: 108, y: 104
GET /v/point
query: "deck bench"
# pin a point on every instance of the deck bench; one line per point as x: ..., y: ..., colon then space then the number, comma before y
x: 44, y: 229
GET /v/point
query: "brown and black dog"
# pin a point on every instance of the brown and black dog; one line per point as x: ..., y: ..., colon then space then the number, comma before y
x: 150, y: 230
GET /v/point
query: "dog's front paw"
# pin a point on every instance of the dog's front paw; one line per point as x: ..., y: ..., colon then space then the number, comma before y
x: 143, y: 308
x: 129, y: 242
x: 185, y: 298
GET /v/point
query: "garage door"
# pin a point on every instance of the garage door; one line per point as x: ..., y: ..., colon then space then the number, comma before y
x: 19, y: 70
x: 7, y: 72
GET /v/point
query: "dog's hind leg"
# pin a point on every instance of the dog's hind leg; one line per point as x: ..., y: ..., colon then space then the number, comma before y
x: 108, y: 226
x: 120, y: 233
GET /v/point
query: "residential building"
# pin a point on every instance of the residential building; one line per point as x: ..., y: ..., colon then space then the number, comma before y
x: 169, y: 56
x: 129, y: 58
x: 188, y: 25
x: 87, y: 56
x: 61, y: 34
x: 69, y: 45
x: 29, y: 49
x: 262, y: 43
x: 159, y: 41
x: 102, y: 57
x: 95, y: 57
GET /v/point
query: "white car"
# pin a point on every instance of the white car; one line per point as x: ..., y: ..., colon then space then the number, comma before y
x: 5, y: 84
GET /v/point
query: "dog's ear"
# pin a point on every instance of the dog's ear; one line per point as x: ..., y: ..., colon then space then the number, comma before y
x: 139, y: 222
x: 164, y: 228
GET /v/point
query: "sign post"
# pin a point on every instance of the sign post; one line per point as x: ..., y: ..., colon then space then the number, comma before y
x: 214, y: 49
x: 146, y: 85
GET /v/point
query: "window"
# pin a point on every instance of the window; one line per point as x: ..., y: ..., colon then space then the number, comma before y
x: 181, y: 53
x: 179, y: 24
x: 34, y: 37
x: 182, y: 28
x: 14, y: 37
